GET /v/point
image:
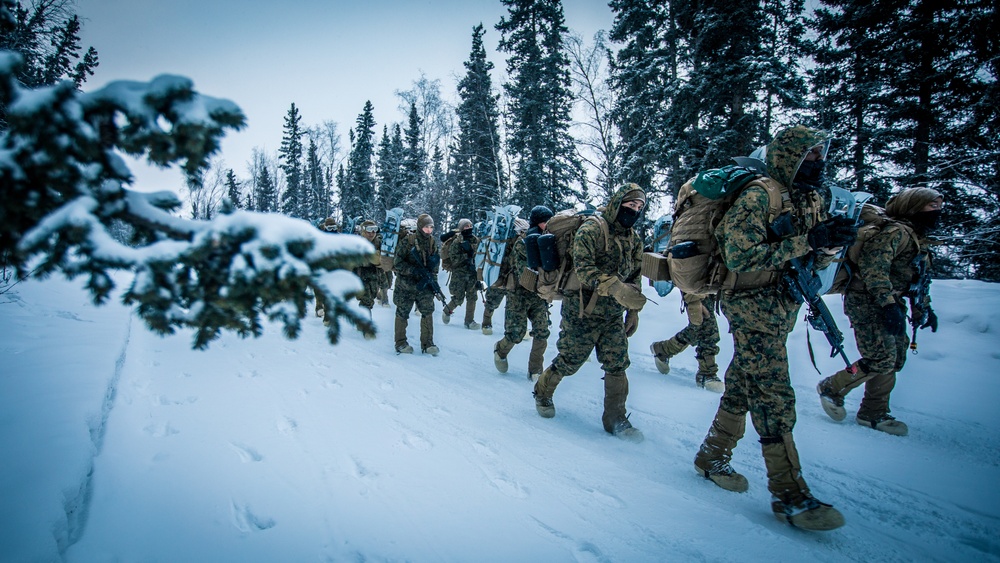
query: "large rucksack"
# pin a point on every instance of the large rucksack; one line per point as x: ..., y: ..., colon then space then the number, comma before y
x: 446, y: 241
x: 694, y: 259
x: 553, y: 273
x: 874, y: 220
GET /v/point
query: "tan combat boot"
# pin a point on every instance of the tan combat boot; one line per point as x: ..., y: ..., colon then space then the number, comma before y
x: 708, y: 375
x: 615, y: 418
x: 536, y: 358
x: 500, y: 351
x: 791, y: 501
x: 402, y: 347
x: 664, y: 350
x: 487, y: 321
x: 833, y: 389
x: 712, y: 459
x: 544, y: 389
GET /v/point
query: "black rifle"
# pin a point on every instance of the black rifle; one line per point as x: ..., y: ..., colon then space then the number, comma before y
x: 426, y: 278
x: 804, y: 285
x: 918, y: 292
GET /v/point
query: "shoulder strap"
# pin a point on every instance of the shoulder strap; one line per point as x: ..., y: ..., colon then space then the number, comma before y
x: 604, y: 228
x: 778, y: 199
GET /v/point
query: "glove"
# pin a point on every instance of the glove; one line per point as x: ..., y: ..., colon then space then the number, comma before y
x: 834, y: 232
x: 931, y: 320
x: 631, y: 322
x: 628, y: 295
x: 893, y: 319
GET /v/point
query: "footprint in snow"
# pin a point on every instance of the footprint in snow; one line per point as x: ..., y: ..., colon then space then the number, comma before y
x: 246, y: 521
x: 246, y: 453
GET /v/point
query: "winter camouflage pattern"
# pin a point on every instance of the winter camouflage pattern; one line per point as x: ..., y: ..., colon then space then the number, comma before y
x: 464, y: 282
x: 371, y: 275
x: 702, y: 331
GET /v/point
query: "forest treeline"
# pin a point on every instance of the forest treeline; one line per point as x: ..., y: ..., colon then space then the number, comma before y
x: 907, y: 87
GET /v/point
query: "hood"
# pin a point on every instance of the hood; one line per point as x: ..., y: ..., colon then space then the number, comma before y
x: 610, y: 211
x: 910, y: 201
x: 789, y: 148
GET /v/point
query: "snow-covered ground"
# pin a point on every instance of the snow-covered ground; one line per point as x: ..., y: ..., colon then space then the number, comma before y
x: 120, y: 445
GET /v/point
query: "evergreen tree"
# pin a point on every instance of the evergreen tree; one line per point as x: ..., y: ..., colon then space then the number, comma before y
x: 389, y: 168
x: 414, y: 157
x: 46, y: 35
x: 294, y: 200
x: 358, y: 191
x: 316, y: 192
x: 233, y: 190
x: 264, y: 193
x: 547, y: 170
x: 476, y: 167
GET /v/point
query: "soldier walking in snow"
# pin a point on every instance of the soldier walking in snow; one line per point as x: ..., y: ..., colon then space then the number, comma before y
x: 416, y: 266
x: 761, y: 313
x: 464, y: 284
x: 370, y: 274
x: 606, y: 252
x: 523, y: 305
x: 893, y: 264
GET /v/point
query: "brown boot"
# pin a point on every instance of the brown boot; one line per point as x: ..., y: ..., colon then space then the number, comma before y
x: 488, y: 321
x: 427, y: 332
x: 712, y: 459
x: 833, y: 389
x: 536, y: 358
x: 402, y: 347
x: 664, y: 350
x: 500, y: 351
x: 615, y: 419
x: 791, y: 501
x: 544, y: 388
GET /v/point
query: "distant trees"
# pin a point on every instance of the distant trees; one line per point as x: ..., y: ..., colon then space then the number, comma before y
x: 358, y: 187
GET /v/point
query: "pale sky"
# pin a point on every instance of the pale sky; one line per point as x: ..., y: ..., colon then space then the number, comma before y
x: 328, y: 57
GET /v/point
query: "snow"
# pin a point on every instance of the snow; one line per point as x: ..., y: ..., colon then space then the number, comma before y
x: 120, y: 445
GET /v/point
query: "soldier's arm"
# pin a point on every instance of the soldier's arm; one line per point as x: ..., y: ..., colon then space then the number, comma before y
x: 585, y: 254
x: 743, y: 239
x: 401, y: 262
x: 875, y: 264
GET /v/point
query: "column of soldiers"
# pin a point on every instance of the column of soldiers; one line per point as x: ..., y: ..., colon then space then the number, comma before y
x: 761, y: 313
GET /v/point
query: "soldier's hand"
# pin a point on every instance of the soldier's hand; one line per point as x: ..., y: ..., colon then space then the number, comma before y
x: 834, y: 232
x: 931, y: 321
x: 893, y: 319
x: 628, y: 295
x: 631, y: 322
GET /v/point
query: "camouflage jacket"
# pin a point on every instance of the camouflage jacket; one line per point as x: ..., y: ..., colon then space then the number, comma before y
x: 462, y: 253
x: 408, y: 267
x: 888, y: 263
x: 623, y: 257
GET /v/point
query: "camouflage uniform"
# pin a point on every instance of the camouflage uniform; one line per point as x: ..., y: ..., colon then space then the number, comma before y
x: 603, y: 328
x: 370, y: 274
x: 760, y: 319
x: 523, y: 305
x: 702, y: 331
x: 494, y: 296
x: 464, y: 283
x: 411, y: 290
x: 887, y: 266
x: 328, y: 225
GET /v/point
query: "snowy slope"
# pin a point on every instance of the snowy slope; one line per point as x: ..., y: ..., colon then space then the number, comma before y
x: 122, y: 445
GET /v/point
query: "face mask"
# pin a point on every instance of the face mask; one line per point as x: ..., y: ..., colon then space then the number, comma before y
x: 467, y: 233
x: 810, y: 175
x: 926, y: 221
x: 627, y: 216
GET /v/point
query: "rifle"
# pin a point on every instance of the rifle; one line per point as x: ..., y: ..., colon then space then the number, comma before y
x: 917, y: 293
x: 427, y: 279
x: 804, y: 285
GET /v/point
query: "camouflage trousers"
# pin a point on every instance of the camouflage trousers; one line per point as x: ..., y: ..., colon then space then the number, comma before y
x: 704, y: 336
x: 578, y: 337
x: 523, y: 306
x: 370, y: 278
x: 405, y: 296
x: 494, y: 296
x: 463, y: 287
x: 882, y: 356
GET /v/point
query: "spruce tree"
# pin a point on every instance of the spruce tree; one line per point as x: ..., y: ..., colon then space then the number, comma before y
x: 233, y: 190
x: 476, y: 166
x: 547, y: 170
x: 358, y: 190
x: 294, y: 200
x: 414, y: 158
x: 389, y: 168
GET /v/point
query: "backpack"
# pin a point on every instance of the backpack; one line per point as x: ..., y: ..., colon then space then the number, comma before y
x: 555, y: 248
x: 874, y: 220
x: 446, y: 240
x: 694, y: 259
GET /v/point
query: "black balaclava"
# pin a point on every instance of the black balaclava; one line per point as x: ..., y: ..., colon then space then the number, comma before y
x: 810, y: 175
x: 627, y: 216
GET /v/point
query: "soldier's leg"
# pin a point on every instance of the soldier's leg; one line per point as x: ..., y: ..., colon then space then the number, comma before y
x: 612, y: 353
x: 576, y: 342
x: 538, y: 312
x: 470, y: 306
x: 706, y: 349
x: 457, y: 296
x: 425, y: 304
x: 728, y: 427
x: 791, y: 500
x: 404, y: 303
